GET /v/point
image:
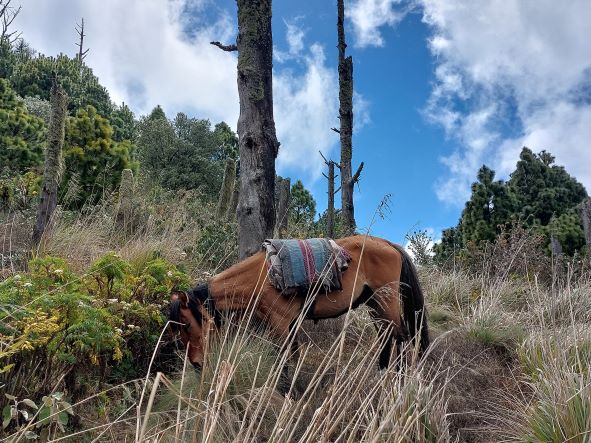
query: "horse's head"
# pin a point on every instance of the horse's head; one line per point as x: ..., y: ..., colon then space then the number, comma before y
x: 192, y: 321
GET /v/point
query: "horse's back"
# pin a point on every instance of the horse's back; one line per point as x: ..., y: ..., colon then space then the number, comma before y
x: 373, y: 254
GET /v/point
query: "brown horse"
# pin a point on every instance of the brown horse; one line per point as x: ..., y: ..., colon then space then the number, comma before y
x: 380, y: 275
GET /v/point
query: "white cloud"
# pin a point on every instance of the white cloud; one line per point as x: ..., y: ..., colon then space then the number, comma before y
x: 368, y: 16
x: 294, y: 35
x: 295, y: 38
x: 306, y: 107
x: 512, y: 63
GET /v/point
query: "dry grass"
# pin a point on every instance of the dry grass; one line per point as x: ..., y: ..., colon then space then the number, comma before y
x: 493, y: 371
x: 509, y: 358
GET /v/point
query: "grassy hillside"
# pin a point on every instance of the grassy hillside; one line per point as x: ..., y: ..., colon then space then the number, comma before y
x: 85, y: 356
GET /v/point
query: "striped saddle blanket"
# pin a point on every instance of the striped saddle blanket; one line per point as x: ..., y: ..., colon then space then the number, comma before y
x: 316, y: 263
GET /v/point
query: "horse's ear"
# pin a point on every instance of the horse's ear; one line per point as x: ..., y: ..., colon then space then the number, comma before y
x: 180, y: 296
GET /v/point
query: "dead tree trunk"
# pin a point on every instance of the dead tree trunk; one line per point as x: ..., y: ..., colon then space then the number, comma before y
x: 81, y: 52
x: 283, y: 206
x: 231, y: 214
x: 124, y: 213
x: 348, y: 179
x: 227, y: 188
x: 257, y: 140
x: 330, y: 212
x: 555, y: 246
x: 586, y: 217
x: 53, y: 156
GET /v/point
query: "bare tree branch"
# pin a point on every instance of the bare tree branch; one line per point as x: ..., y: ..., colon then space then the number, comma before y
x: 355, y: 177
x: 323, y: 157
x: 7, y: 15
x: 336, y: 130
x: 227, y: 48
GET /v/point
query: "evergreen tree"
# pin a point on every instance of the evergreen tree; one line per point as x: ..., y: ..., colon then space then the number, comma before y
x: 539, y: 194
x: 489, y: 208
x: 568, y: 230
x: 157, y: 113
x: 21, y: 134
x: 184, y: 153
x: 93, y: 156
x: 543, y: 189
x: 38, y: 107
x: 302, y: 208
x: 450, y: 245
x: 7, y: 59
x: 124, y: 124
x: 33, y: 76
x: 226, y: 141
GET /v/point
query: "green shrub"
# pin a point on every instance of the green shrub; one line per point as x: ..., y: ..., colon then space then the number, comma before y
x: 105, y: 322
x: 19, y: 191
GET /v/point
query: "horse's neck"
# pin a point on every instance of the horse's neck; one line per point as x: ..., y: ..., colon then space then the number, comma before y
x: 234, y: 288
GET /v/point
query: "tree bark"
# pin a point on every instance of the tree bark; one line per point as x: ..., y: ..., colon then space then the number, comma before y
x: 346, y: 128
x: 53, y: 160
x: 555, y: 246
x: 227, y: 188
x: 283, y: 206
x: 257, y: 139
x: 586, y: 217
x: 124, y: 214
x: 231, y: 214
x: 330, y: 212
x: 81, y: 52
x: 330, y: 209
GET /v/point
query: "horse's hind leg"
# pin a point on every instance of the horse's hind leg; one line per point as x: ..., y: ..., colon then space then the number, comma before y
x: 385, y: 310
x: 386, y: 334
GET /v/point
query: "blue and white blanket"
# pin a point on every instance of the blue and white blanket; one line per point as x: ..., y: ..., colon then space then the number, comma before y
x: 315, y: 263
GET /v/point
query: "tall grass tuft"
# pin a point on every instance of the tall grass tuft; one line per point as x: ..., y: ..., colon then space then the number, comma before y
x: 339, y: 395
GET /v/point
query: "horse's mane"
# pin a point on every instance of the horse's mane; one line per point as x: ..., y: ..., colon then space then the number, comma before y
x: 196, y: 296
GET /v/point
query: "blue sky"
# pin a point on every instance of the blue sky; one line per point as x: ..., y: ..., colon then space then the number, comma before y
x: 440, y: 86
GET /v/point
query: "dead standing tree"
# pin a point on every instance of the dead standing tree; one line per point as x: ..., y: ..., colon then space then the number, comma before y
x: 348, y: 179
x: 586, y: 217
x: 227, y: 188
x: 81, y: 52
x: 257, y: 140
x: 330, y: 212
x: 53, y: 160
x: 7, y: 16
x: 283, y: 192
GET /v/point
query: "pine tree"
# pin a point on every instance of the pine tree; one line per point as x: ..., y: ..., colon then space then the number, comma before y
x: 302, y: 208
x: 93, y: 156
x: 490, y: 207
x: 543, y: 189
x: 21, y: 134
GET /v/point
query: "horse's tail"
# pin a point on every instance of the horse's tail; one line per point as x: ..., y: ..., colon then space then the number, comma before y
x: 413, y: 302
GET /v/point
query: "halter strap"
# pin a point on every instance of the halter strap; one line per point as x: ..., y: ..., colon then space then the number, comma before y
x: 209, y: 304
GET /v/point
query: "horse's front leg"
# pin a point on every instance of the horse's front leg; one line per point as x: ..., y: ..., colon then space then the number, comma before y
x: 281, y: 317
